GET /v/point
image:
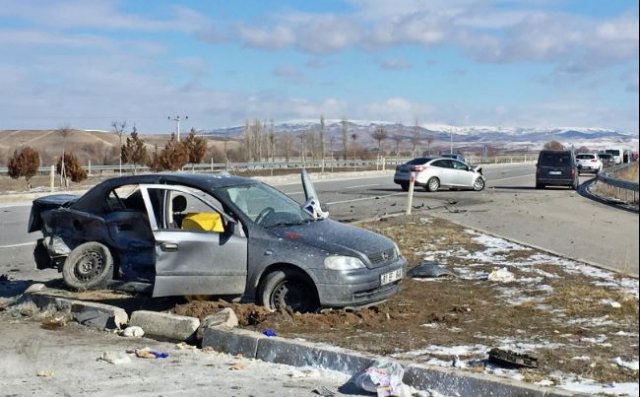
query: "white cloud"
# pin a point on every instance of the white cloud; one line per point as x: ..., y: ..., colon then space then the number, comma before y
x: 394, y: 64
x: 104, y: 14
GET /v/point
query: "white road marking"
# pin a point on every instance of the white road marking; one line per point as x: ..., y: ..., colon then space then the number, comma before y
x: 366, y: 198
x: 17, y: 245
x: 358, y: 186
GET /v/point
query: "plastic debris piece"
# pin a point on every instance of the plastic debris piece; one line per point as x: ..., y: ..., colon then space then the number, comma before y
x: 115, y: 358
x: 384, y: 377
x: 269, y: 332
x: 511, y: 359
x: 148, y: 353
x: 45, y: 374
x: 501, y: 275
x: 133, y: 332
x: 429, y: 270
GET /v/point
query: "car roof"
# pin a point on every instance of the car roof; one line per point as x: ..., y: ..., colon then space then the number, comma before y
x: 206, y: 182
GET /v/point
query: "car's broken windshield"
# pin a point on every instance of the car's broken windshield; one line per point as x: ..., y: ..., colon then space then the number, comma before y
x: 266, y: 206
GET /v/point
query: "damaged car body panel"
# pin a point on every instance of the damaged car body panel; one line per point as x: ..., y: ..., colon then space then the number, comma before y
x: 194, y: 234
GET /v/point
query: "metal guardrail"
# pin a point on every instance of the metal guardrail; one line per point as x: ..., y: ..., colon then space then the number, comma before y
x: 604, y: 177
x: 385, y: 163
x: 623, y: 187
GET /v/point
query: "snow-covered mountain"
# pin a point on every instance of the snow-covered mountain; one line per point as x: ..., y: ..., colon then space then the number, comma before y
x: 462, y: 136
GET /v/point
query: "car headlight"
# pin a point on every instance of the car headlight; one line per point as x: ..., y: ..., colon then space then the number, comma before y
x: 398, y: 254
x: 343, y: 263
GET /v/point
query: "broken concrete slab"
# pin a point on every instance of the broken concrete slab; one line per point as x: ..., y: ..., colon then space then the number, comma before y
x: 224, y: 318
x: 165, y: 325
x: 94, y: 314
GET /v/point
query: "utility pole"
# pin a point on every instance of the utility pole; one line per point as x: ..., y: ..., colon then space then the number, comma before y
x: 177, y: 120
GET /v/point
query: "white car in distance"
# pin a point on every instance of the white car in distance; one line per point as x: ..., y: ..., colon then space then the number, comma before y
x: 434, y: 173
x: 588, y: 162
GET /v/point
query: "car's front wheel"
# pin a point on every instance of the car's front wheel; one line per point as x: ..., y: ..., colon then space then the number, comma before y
x: 88, y: 266
x: 289, y: 288
x: 478, y: 185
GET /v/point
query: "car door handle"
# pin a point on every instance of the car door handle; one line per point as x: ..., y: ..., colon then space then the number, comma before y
x: 169, y: 247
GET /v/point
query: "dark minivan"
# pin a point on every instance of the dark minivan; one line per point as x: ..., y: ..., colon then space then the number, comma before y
x: 557, y: 168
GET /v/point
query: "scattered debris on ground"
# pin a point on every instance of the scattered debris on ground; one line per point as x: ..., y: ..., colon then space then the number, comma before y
x: 557, y: 310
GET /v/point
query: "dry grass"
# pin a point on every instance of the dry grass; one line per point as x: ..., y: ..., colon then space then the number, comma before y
x: 586, y: 300
x: 628, y: 174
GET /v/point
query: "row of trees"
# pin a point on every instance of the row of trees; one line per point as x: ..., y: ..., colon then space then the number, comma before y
x: 174, y: 156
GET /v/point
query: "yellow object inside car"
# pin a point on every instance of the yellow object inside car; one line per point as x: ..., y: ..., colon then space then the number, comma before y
x: 203, y: 222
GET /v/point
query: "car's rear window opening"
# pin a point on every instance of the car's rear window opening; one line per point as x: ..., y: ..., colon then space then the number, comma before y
x: 555, y: 159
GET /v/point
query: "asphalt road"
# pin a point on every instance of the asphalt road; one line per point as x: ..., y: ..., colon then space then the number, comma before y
x: 33, y: 363
x: 555, y: 219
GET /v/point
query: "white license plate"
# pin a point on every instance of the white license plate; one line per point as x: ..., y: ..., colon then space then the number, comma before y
x: 390, y: 277
x: 555, y: 172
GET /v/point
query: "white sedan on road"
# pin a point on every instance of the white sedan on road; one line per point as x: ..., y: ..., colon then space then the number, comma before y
x: 433, y: 173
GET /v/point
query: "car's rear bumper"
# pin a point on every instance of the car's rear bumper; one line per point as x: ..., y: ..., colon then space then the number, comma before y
x: 555, y: 182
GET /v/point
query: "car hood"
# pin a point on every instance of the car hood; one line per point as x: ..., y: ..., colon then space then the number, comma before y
x: 340, y: 239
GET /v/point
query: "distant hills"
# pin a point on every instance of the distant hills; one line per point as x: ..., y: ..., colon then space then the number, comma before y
x: 102, y: 146
x: 470, y: 137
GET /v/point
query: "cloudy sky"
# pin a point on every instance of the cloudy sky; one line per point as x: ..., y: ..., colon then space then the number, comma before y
x: 511, y: 63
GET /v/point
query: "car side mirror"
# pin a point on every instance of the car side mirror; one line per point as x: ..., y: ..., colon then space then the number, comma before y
x: 313, y: 208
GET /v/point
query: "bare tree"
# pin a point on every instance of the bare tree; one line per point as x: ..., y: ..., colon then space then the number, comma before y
x: 380, y: 134
x: 429, y: 140
x: 286, y: 142
x: 344, y: 128
x: 397, y: 138
x: 118, y: 129
x: 354, y: 137
x: 583, y: 149
x: 322, y: 139
x: 64, y: 132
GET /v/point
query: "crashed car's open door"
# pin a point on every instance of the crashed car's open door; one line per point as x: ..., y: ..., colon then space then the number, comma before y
x: 198, y: 249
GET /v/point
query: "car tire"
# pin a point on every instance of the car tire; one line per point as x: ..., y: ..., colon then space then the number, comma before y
x: 478, y: 185
x: 287, y: 288
x: 433, y: 184
x: 405, y: 186
x: 88, y: 266
x: 539, y: 185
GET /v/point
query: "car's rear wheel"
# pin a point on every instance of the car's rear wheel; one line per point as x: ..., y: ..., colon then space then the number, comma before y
x: 478, y: 185
x: 287, y: 288
x: 88, y: 266
x: 433, y: 184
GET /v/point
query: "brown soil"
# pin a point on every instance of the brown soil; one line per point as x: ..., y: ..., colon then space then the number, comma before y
x: 563, y: 314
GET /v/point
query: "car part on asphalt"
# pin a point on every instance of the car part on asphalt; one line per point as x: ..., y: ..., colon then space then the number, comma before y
x: 428, y: 270
x: 511, y: 359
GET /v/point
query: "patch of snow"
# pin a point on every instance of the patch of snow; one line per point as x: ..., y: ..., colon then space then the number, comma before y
x: 581, y: 358
x: 435, y: 350
x: 623, y: 333
x: 632, y: 365
x: 589, y: 386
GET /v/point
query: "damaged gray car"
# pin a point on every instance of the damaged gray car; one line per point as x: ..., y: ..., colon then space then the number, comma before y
x: 195, y: 234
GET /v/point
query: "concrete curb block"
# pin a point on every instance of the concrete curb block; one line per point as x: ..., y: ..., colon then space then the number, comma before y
x: 450, y: 382
x: 94, y: 314
x: 165, y: 325
x: 239, y: 341
x: 301, y: 353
